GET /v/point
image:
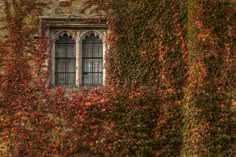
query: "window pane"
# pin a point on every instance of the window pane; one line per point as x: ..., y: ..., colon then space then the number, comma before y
x: 87, y: 78
x: 100, y: 78
x: 70, y: 79
x: 60, y: 79
x: 100, y: 66
x: 60, y: 65
x: 89, y: 50
x: 97, y: 50
x: 70, y: 65
x: 100, y: 50
x: 96, y: 78
x: 70, y: 53
x: 60, y: 50
x: 84, y: 55
x: 87, y: 65
x: 96, y: 65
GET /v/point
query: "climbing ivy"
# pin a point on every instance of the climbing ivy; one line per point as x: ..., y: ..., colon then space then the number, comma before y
x: 169, y: 90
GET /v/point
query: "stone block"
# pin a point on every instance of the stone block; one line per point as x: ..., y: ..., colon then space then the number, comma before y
x: 65, y: 3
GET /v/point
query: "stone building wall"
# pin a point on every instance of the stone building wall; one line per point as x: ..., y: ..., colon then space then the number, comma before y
x: 2, y: 32
x: 67, y: 8
x: 57, y: 8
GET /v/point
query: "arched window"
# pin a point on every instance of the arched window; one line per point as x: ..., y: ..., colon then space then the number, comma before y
x: 92, y: 61
x: 65, y: 61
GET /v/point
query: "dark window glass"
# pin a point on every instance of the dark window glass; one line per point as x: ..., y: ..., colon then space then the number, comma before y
x: 65, y: 61
x: 92, y: 61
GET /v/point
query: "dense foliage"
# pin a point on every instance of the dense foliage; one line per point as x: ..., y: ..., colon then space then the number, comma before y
x: 211, y: 88
x: 170, y: 86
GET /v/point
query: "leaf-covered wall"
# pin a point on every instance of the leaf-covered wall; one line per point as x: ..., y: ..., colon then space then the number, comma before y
x: 170, y: 86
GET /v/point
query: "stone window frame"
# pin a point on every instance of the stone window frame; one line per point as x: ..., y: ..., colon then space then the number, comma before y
x: 78, y: 28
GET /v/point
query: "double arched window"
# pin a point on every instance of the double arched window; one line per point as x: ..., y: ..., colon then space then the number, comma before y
x: 78, y: 62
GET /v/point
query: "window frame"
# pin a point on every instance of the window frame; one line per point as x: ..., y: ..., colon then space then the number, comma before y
x: 98, y: 42
x: 104, y: 47
x: 78, y: 29
x: 64, y: 46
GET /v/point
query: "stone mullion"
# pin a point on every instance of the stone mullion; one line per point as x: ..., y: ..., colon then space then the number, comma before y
x: 77, y: 53
x: 52, y: 57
